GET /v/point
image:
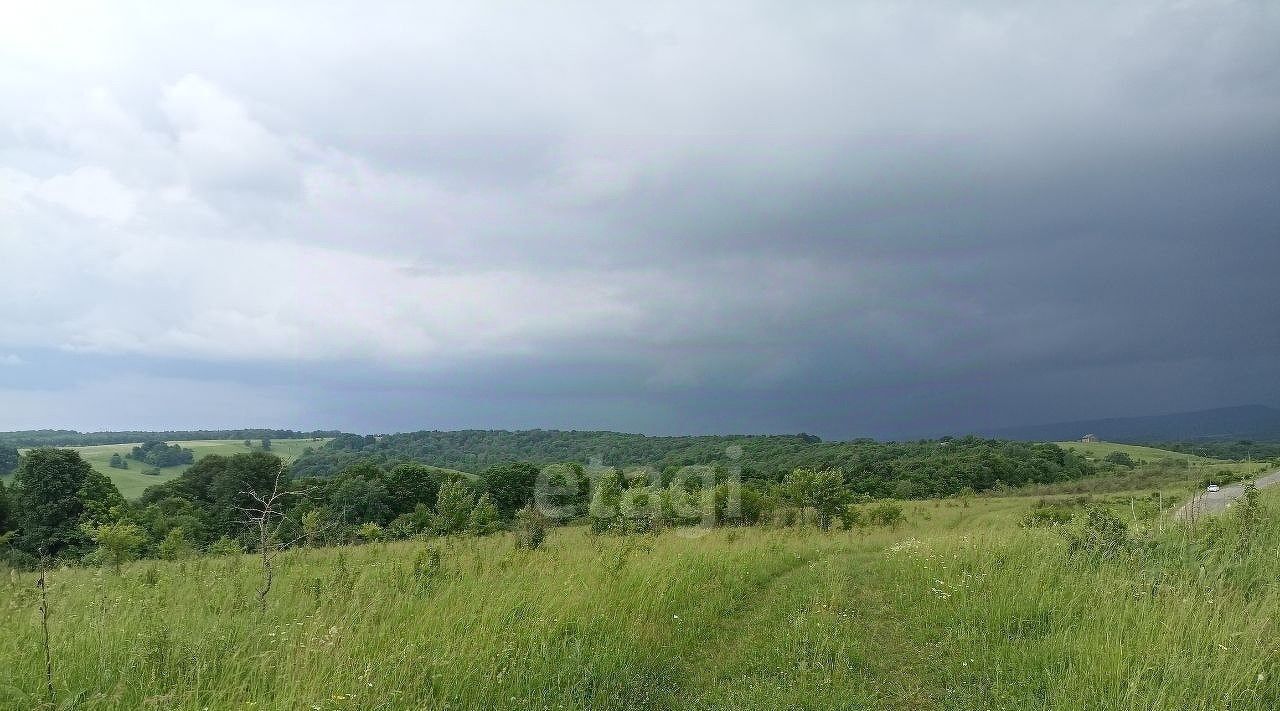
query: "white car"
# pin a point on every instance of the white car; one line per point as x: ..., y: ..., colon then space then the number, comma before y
x: 1214, y: 487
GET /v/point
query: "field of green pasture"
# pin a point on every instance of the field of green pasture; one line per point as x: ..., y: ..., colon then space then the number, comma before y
x: 958, y: 608
x: 1150, y: 455
x: 1197, y: 466
x: 132, y: 481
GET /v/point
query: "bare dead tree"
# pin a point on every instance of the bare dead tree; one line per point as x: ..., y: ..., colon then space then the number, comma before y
x: 43, y: 584
x: 265, y: 516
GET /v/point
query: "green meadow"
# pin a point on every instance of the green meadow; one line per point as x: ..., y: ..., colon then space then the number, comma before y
x: 1098, y: 450
x: 959, y: 607
x: 132, y: 481
x: 1174, y: 473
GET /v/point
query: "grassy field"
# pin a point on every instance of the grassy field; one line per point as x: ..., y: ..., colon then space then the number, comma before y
x: 131, y: 482
x: 1197, y: 466
x: 960, y: 608
x: 1151, y: 455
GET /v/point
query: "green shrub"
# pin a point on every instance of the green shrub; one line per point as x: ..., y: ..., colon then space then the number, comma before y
x: 531, y: 528
x: 853, y: 517
x: 175, y: 545
x: 1099, y: 535
x: 226, y: 546
x: 370, y: 532
x: 1120, y: 458
x: 484, y: 517
x: 888, y: 514
x: 118, y: 543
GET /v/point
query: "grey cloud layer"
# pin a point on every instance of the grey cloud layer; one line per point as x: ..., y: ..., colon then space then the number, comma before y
x: 886, y: 217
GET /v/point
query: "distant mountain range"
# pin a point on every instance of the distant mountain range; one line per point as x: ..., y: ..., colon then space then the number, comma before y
x: 1254, y: 422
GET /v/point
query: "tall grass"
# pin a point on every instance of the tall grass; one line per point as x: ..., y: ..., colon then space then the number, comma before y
x: 1183, y: 619
x: 957, y: 609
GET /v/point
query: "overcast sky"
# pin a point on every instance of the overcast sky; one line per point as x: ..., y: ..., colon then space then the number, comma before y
x: 876, y: 218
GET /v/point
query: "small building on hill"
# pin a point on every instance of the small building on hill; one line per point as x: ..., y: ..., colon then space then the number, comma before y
x: 1089, y: 438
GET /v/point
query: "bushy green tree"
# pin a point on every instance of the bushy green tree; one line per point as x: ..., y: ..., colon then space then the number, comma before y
x: 420, y: 520
x: 161, y: 517
x: 853, y: 517
x: 567, y: 490
x: 411, y: 484
x: 212, y: 494
x: 118, y: 543
x: 314, y: 525
x: 606, y: 500
x: 175, y: 545
x: 829, y: 496
x: 359, y: 495
x: 369, y: 532
x: 229, y: 483
x: 510, y: 486
x: 55, y: 492
x: 824, y: 491
x: 102, y: 500
x: 453, y: 507
x: 484, y: 517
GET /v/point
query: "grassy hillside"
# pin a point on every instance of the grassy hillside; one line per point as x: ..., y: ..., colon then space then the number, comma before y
x: 131, y: 482
x: 1197, y: 465
x: 1098, y: 450
x: 960, y: 608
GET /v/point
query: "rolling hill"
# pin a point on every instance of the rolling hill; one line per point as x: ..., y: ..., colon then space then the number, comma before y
x: 132, y: 481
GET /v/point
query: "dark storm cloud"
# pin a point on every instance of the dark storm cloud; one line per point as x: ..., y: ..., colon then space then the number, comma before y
x: 848, y: 218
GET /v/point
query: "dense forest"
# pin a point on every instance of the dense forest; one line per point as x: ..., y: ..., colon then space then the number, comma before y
x: 906, y: 470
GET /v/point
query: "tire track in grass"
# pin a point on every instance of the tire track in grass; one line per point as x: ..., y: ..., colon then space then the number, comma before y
x: 820, y: 636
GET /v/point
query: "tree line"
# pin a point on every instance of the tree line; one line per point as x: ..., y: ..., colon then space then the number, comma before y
x: 915, y: 469
x: 71, y: 438
x: 59, y: 506
x: 162, y: 454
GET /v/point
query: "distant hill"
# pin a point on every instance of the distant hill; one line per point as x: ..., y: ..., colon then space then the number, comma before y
x: 72, y: 438
x: 1253, y: 422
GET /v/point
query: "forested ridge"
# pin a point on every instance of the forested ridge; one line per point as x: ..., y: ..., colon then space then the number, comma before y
x: 902, y: 469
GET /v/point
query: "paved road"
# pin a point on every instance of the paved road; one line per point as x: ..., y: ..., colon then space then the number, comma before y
x: 1214, y: 501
